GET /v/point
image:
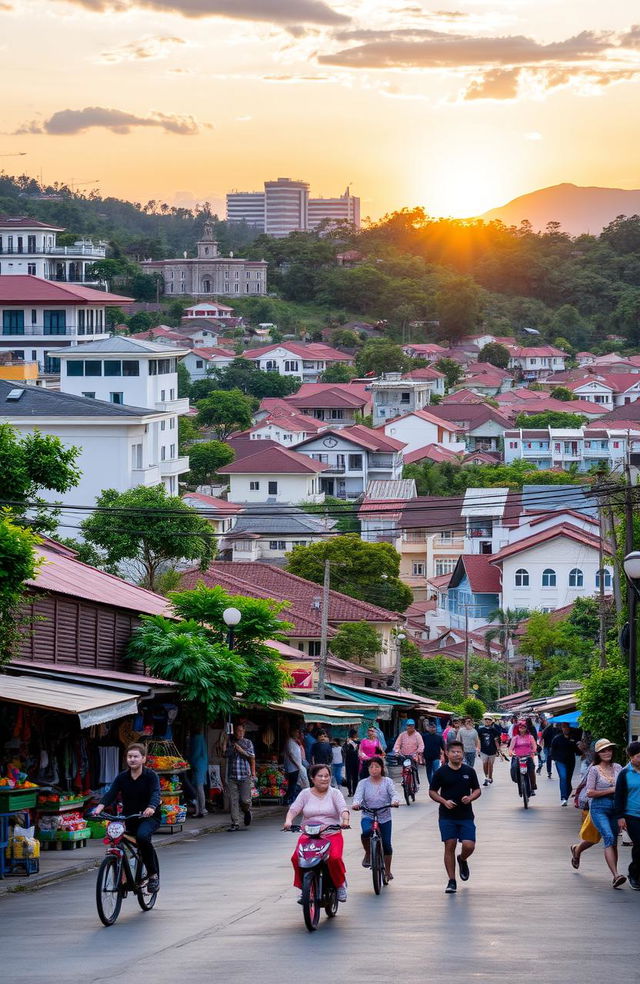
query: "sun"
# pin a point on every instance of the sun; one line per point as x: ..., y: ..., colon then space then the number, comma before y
x: 463, y: 189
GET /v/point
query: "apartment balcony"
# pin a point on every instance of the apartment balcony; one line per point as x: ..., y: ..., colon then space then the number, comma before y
x: 174, y: 466
x: 33, y: 331
x: 178, y: 407
x: 334, y: 470
x: 87, y: 251
x: 146, y: 476
x: 381, y: 461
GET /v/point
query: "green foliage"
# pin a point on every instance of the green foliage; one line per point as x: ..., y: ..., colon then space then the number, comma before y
x: 18, y: 563
x: 459, y: 304
x: 557, y: 651
x: 496, y: 354
x: 603, y: 704
x: 30, y: 465
x: 563, y: 393
x: 205, y: 457
x: 187, y: 432
x: 244, y: 375
x: 184, y: 381
x: 439, y: 677
x: 380, y: 355
x: 549, y: 418
x: 337, y: 373
x: 331, y: 509
x: 346, y: 338
x: 226, y: 411
x: 149, y: 528
x: 472, y: 707
x: 357, y: 642
x: 447, y: 478
x: 452, y: 370
x: 369, y: 571
x: 86, y: 553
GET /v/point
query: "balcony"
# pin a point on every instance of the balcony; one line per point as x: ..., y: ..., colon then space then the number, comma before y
x: 179, y: 406
x: 31, y: 331
x: 87, y: 250
x: 174, y: 466
x: 334, y: 470
x: 146, y: 476
x: 379, y: 461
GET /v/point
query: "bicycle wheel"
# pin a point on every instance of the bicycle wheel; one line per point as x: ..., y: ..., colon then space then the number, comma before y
x: 108, y: 891
x: 407, y: 793
x: 146, y: 899
x: 525, y: 792
x: 310, y: 900
x: 377, y: 865
x: 331, y: 905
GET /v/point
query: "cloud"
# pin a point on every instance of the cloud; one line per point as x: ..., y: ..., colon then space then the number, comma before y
x: 270, y: 11
x: 501, y: 83
x: 70, y: 121
x: 146, y: 49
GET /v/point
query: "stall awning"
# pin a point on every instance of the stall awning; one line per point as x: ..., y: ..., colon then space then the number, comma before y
x: 373, y: 695
x: 364, y: 697
x: 571, y: 718
x: 93, y: 705
x: 316, y: 712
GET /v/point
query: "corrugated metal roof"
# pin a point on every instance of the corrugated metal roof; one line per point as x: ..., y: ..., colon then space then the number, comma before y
x: 93, y: 705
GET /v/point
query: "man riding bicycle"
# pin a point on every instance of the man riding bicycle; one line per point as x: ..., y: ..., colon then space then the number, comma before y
x: 139, y: 790
x: 409, y: 744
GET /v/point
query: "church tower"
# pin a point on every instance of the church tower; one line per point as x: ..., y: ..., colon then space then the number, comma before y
x: 207, y: 246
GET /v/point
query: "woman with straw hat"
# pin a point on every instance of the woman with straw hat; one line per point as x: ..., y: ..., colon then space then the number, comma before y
x: 600, y: 788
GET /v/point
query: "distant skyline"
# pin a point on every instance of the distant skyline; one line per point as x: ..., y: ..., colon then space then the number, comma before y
x: 457, y: 110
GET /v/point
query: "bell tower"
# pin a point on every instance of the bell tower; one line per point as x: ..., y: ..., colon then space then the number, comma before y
x: 207, y: 245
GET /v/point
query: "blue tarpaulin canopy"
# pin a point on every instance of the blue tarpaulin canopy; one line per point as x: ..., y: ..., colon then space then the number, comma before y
x: 571, y: 718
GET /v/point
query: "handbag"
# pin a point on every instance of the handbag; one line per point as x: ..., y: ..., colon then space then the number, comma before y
x: 588, y: 831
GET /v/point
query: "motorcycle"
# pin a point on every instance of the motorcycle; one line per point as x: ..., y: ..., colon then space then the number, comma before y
x: 409, y: 780
x: 523, y: 780
x: 318, y: 890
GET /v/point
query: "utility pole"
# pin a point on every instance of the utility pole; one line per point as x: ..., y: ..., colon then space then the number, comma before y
x: 602, y: 634
x: 324, y: 630
x: 631, y: 593
x: 465, y: 679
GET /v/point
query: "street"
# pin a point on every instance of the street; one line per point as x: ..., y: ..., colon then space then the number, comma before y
x: 226, y: 911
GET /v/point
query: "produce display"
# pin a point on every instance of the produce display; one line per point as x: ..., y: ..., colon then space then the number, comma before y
x: 53, y: 799
x: 164, y: 757
x: 166, y: 763
x: 170, y: 785
x: 271, y: 781
x: 16, y: 780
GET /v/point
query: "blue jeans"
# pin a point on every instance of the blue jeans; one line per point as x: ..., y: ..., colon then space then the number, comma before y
x: 432, y: 766
x: 605, y: 819
x: 470, y: 758
x: 144, y: 830
x: 385, y: 833
x: 565, y: 773
x: 337, y: 774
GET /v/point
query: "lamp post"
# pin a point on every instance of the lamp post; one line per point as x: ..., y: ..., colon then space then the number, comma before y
x: 400, y: 637
x: 631, y: 566
x: 231, y: 618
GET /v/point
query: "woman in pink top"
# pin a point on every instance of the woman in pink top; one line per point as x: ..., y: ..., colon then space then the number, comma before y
x: 368, y: 747
x: 324, y: 805
x: 523, y: 745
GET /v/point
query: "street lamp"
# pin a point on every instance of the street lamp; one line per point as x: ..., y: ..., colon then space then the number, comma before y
x: 231, y: 618
x: 631, y: 566
x: 400, y: 637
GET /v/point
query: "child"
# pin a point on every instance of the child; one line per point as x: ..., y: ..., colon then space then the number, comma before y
x: 337, y: 761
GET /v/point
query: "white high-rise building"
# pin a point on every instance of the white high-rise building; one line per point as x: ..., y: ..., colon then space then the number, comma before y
x: 346, y: 208
x: 246, y: 206
x: 285, y: 207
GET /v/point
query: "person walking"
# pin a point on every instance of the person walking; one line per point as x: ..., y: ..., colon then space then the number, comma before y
x: 368, y: 747
x: 337, y: 762
x: 489, y: 735
x: 450, y: 733
x: 563, y: 753
x: 627, y: 807
x: 433, y: 749
x: 548, y: 734
x: 351, y: 761
x: 589, y: 835
x: 293, y: 766
x: 600, y: 787
x: 455, y: 786
x: 470, y: 741
x: 241, y: 772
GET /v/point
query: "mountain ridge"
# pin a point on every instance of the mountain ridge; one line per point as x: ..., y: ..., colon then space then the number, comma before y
x: 578, y: 208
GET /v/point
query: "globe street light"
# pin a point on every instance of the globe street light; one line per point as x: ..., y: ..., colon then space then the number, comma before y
x: 400, y: 637
x: 231, y: 618
x: 631, y: 566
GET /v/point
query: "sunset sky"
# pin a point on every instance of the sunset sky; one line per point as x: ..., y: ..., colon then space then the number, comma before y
x: 455, y: 105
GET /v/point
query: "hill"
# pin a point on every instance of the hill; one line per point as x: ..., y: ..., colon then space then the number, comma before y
x: 577, y: 209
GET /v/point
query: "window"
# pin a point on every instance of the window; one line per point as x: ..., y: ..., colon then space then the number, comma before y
x: 163, y: 394
x: 277, y: 544
x: 112, y: 367
x: 513, y: 445
x: 314, y: 647
x: 548, y: 578
x: 337, y: 415
x: 272, y: 488
x: 444, y: 567
x: 136, y: 456
x: 75, y: 368
x: 163, y: 453
x: 418, y: 570
x: 90, y: 396
x: 130, y: 367
x: 172, y: 451
x: 163, y: 424
x: 405, y: 397
x: 576, y: 578
x: 13, y: 322
x: 254, y: 486
x: 55, y: 322
x: 291, y: 366
x: 522, y: 578
x: 172, y: 394
x: 34, y: 316
x: 172, y: 423
x: 31, y: 269
x: 199, y: 363
x: 92, y: 367
x: 355, y: 462
x: 81, y: 322
x: 607, y: 578
x: 446, y: 536
x: 116, y: 397
x: 31, y: 244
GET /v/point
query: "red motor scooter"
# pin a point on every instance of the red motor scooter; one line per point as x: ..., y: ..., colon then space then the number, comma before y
x: 318, y: 890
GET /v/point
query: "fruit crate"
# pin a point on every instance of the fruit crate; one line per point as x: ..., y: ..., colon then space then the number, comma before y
x: 61, y: 805
x: 97, y: 828
x: 15, y: 800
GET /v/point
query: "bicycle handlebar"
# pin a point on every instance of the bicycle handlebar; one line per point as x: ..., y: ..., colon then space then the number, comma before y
x: 376, y: 809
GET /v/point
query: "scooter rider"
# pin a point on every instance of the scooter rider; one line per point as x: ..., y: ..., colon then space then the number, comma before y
x: 523, y: 745
x: 409, y: 744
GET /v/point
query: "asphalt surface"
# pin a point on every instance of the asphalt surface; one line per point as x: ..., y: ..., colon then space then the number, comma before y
x: 227, y: 911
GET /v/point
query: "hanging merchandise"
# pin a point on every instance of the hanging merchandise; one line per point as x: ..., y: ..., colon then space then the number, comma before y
x: 165, y: 759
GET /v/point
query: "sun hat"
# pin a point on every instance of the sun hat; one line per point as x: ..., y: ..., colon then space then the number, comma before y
x: 602, y: 744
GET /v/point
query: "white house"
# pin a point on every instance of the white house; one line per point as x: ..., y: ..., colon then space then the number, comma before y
x: 126, y: 371
x: 274, y: 475
x: 304, y: 360
x: 30, y: 247
x: 585, y: 447
x: 419, y: 428
x: 351, y: 457
x: 202, y: 361
x: 539, y: 361
x: 118, y: 443
x: 40, y: 317
x: 286, y: 429
x: 208, y: 309
x: 610, y: 390
x: 395, y: 395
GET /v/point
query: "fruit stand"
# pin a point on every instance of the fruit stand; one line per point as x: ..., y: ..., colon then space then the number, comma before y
x: 165, y: 759
x: 17, y: 795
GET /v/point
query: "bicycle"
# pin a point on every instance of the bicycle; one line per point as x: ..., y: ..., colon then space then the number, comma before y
x: 409, y: 780
x: 118, y: 874
x: 376, y: 852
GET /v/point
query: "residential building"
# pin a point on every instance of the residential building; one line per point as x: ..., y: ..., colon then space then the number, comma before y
x: 39, y: 316
x: 200, y: 362
x: 592, y: 446
x: 418, y: 428
x: 285, y: 206
x: 209, y: 272
x: 304, y: 360
x: 608, y: 390
x: 338, y: 404
x: 431, y: 540
x: 274, y: 474
x: 425, y: 350
x: 29, y: 247
x: 219, y: 512
x: 286, y: 429
x: 124, y: 371
x: 268, y: 532
x: 473, y: 592
x: 351, y: 457
x: 380, y: 510
x: 537, y: 362
x: 488, y: 514
x: 334, y: 211
x: 486, y: 379
x: 395, y: 395
x: 247, y: 206
x: 432, y: 452
x: 207, y: 310
x: 18, y: 371
x: 479, y: 426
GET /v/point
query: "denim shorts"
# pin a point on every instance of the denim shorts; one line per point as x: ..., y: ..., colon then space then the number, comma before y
x: 604, y: 819
x: 461, y: 830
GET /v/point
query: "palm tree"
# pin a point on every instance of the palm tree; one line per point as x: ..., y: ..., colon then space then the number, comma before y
x: 508, y: 621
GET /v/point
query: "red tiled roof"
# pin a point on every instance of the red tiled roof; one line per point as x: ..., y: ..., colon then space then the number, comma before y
x: 213, y: 353
x: 427, y: 372
x: 24, y: 288
x: 483, y: 577
x: 25, y: 222
x: 463, y: 396
x: 63, y: 574
x: 369, y: 438
x: 329, y: 398
x: 277, y: 406
x: 488, y: 369
x: 274, y: 460
x: 432, y: 416
x: 567, y: 530
x: 619, y: 382
x: 211, y: 502
x: 291, y: 422
x: 304, y: 350
x: 523, y: 351
x: 431, y: 452
x: 243, y: 445
x: 468, y: 415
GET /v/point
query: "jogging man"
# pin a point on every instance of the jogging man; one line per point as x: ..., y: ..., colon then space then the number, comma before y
x: 455, y: 786
x: 489, y: 735
x: 139, y: 790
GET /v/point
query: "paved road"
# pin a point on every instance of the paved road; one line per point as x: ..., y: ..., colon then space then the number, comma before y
x: 227, y: 912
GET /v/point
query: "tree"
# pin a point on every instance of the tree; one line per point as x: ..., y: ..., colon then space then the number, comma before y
x: 495, y: 353
x: 439, y: 677
x: 357, y: 642
x: 563, y: 393
x: 205, y: 458
x: 603, y: 703
x: 337, y: 373
x: 550, y: 418
x: 452, y: 370
x: 504, y: 632
x: 149, y: 528
x: 184, y: 381
x: 225, y: 411
x: 345, y: 337
x: 30, y: 465
x: 244, y: 375
x: 379, y: 356
x: 458, y: 304
x: 556, y: 651
x: 369, y: 571
x: 18, y: 563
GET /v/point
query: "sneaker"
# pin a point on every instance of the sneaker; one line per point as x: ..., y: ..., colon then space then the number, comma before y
x: 532, y: 793
x: 634, y: 883
x: 153, y: 885
x: 563, y: 803
x: 539, y: 770
x: 232, y: 828
x: 299, y: 900
x: 464, y: 868
x: 366, y: 863
x: 486, y: 782
x: 341, y: 893
x: 451, y: 887
x: 247, y: 818
x: 491, y: 782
